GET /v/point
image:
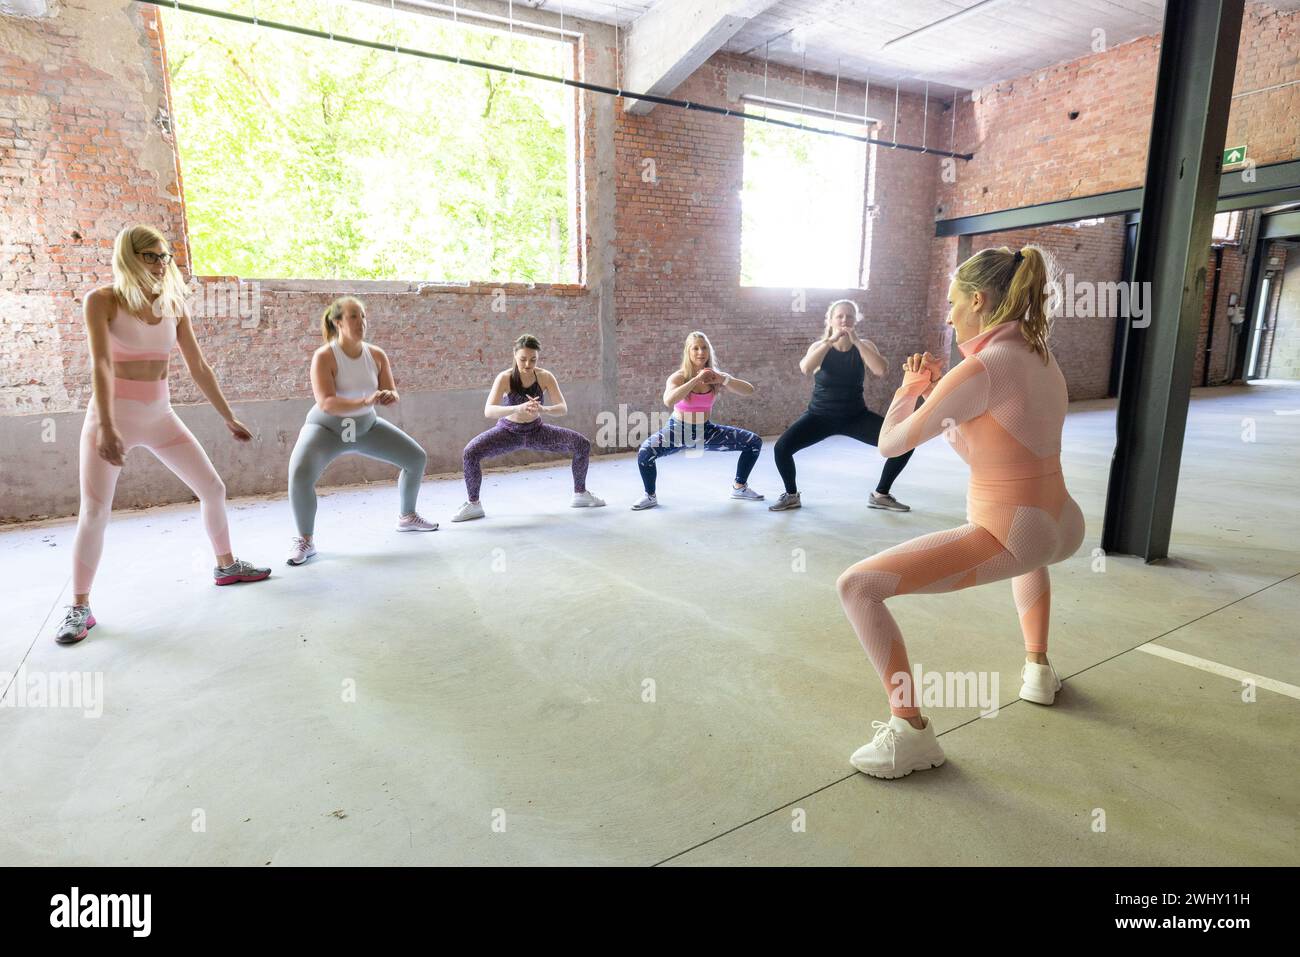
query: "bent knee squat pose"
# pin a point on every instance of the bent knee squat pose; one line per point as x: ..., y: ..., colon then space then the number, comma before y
x: 349, y: 378
x: 691, y: 392
x: 132, y: 327
x: 838, y: 360
x: 515, y: 401
x: 1003, y: 407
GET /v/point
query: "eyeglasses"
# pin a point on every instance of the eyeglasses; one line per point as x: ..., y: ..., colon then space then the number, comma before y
x: 154, y: 259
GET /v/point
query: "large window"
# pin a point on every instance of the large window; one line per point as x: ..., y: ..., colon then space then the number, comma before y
x: 304, y: 158
x: 803, y: 204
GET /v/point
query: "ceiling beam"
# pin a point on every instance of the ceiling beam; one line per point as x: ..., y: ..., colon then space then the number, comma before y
x: 673, y: 39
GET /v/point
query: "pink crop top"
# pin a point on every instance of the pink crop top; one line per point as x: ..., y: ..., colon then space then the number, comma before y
x: 133, y: 339
x: 697, y: 402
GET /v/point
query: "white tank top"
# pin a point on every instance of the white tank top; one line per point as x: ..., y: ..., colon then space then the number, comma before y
x: 356, y: 378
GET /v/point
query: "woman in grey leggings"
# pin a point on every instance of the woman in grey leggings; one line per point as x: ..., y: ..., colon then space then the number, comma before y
x: 349, y: 378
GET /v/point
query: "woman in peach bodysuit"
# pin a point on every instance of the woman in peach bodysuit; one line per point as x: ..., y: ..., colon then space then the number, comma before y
x: 1002, y: 407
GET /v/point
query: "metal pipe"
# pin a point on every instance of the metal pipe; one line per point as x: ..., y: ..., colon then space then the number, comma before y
x: 577, y: 84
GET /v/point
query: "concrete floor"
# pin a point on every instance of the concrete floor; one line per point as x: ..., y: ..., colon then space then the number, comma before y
x: 499, y: 669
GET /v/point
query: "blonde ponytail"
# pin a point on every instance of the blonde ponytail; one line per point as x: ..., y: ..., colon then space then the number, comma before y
x: 1017, y: 285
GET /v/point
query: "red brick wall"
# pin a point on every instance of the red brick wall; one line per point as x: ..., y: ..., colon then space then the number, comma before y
x: 81, y: 156
x: 1029, y: 151
x: 1231, y: 276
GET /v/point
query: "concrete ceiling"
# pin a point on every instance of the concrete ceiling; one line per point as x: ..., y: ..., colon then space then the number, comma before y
x: 996, y: 40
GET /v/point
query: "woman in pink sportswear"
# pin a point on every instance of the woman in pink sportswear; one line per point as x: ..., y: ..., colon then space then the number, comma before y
x: 132, y: 327
x: 1002, y: 407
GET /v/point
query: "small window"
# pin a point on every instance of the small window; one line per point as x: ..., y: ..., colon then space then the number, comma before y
x: 803, y: 203
x: 1225, y: 227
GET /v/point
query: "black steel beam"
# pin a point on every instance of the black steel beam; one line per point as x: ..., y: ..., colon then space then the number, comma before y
x: 1189, y: 119
x: 1269, y: 185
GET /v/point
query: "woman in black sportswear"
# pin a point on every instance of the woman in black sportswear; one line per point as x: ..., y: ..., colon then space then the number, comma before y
x: 838, y: 361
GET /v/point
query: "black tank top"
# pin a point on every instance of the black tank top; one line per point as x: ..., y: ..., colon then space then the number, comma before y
x: 837, y: 387
x: 533, y: 391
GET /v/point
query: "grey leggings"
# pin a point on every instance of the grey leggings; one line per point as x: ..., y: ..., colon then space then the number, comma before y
x: 325, y: 437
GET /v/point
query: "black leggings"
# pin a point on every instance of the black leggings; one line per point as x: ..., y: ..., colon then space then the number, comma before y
x: 811, y: 428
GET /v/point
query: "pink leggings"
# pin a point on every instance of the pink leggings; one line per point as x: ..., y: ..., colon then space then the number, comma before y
x: 958, y: 558
x: 142, y: 413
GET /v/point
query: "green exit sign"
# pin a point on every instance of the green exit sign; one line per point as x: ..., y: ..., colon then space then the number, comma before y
x: 1233, y: 156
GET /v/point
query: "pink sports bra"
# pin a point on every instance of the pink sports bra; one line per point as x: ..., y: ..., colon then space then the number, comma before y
x: 133, y: 339
x: 697, y: 402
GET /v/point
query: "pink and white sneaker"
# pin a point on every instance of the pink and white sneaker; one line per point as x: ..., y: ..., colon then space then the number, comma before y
x: 75, y: 626
x: 301, y: 551
x: 414, y: 523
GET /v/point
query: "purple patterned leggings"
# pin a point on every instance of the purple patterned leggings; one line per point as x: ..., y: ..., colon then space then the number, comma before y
x: 507, y: 436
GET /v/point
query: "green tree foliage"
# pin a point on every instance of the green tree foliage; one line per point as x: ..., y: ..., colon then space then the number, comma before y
x: 308, y: 159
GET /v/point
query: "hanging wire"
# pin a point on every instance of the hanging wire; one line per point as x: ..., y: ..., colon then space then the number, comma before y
x: 533, y: 74
x: 866, y: 103
x: 767, y: 50
x: 836, y: 107
x: 803, y: 82
x: 952, y: 136
x: 893, y: 133
x: 925, y: 117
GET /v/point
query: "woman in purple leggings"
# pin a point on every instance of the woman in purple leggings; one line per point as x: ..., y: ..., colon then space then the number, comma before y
x: 516, y: 403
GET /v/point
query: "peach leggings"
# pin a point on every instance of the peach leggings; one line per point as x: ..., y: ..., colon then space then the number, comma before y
x: 142, y: 413
x: 1002, y: 408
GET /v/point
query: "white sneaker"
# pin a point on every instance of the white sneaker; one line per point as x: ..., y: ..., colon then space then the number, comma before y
x: 414, y: 523
x: 469, y: 510
x: 647, y: 501
x: 745, y: 492
x: 898, y: 749
x: 586, y: 500
x: 301, y: 551
x: 1040, y: 683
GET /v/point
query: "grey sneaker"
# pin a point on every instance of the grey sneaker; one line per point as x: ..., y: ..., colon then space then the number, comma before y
x: 787, y: 500
x: 647, y: 501
x: 746, y: 493
x: 586, y: 500
x: 887, y: 501
x: 468, y: 511
x: 239, y: 571
x: 76, y: 625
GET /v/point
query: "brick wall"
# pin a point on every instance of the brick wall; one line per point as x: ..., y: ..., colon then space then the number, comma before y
x: 1232, y: 275
x: 1028, y: 150
x: 83, y: 152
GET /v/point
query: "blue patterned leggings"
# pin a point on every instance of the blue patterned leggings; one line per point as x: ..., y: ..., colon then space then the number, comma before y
x: 678, y: 435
